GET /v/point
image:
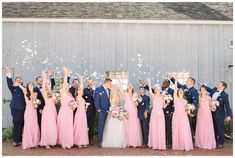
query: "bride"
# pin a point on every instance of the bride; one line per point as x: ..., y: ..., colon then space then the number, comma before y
x: 114, y: 133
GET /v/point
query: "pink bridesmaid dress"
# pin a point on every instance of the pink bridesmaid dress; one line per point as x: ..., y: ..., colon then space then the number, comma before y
x: 181, y: 132
x: 48, y: 126
x: 204, y: 136
x: 157, y: 139
x: 31, y: 133
x: 132, y: 125
x: 80, y: 134
x: 65, y: 123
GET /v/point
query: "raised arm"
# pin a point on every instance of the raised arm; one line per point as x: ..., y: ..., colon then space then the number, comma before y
x: 150, y: 87
x: 175, y: 90
x: 44, y: 84
x: 9, y: 79
x: 51, y: 75
x: 65, y: 83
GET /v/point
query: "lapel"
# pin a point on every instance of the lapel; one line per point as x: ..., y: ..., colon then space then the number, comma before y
x: 103, y: 91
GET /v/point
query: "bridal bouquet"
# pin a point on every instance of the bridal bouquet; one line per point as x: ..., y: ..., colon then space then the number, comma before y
x: 114, y: 112
x: 138, y: 100
x: 36, y: 102
x: 117, y: 112
x: 168, y: 98
x: 56, y: 97
x: 123, y: 115
x: 214, y: 105
x: 73, y: 104
x: 189, y: 109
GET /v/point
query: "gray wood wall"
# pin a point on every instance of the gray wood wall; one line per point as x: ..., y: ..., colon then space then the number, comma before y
x: 202, y: 50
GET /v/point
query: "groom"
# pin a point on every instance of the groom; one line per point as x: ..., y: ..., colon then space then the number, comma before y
x: 102, y: 104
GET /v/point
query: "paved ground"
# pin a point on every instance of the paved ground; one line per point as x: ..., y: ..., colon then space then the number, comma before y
x: 9, y: 150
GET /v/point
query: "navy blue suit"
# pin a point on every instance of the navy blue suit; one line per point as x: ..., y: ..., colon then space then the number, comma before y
x: 40, y: 97
x: 17, y: 106
x: 220, y: 113
x: 192, y: 98
x: 142, y: 107
x: 88, y: 95
x: 169, y: 109
x: 102, y: 103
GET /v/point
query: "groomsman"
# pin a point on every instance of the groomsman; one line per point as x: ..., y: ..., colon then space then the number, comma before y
x: 168, y: 110
x: 143, y: 115
x: 88, y: 95
x: 191, y: 94
x: 17, y: 106
x: 102, y: 104
x: 38, y: 89
x: 222, y: 111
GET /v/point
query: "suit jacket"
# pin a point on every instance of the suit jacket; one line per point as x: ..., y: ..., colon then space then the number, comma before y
x: 18, y: 100
x: 101, y: 99
x: 143, y: 106
x: 224, y: 108
x: 191, y: 93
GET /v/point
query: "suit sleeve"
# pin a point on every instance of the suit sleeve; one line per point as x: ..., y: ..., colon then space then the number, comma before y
x: 147, y: 104
x: 52, y: 83
x: 10, y: 84
x: 147, y: 88
x: 97, y: 99
x: 227, y: 106
x: 178, y: 84
x: 207, y: 88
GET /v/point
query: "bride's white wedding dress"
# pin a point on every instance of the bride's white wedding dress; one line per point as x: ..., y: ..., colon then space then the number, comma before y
x: 114, y: 133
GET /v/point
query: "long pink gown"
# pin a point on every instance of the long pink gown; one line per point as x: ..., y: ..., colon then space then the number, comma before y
x: 157, y: 139
x: 80, y: 134
x: 204, y: 136
x: 48, y: 126
x: 132, y: 125
x: 181, y: 132
x: 65, y: 123
x: 31, y: 133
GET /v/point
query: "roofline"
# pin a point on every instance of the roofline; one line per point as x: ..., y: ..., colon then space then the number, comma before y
x: 63, y: 20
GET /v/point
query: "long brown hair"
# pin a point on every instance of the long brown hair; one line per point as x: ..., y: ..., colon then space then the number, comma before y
x: 183, y: 93
x: 28, y: 94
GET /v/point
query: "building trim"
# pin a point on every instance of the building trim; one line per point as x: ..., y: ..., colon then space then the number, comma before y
x: 48, y: 20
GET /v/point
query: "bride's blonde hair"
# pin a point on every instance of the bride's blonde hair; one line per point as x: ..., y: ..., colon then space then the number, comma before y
x: 115, y: 92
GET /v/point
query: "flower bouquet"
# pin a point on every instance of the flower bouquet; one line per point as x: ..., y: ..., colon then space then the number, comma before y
x: 189, y: 109
x: 123, y: 115
x: 214, y: 105
x: 168, y: 98
x: 138, y: 100
x: 56, y: 97
x: 73, y: 104
x: 36, y: 102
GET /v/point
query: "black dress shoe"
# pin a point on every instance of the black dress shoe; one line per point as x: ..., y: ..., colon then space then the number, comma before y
x: 220, y: 146
x: 144, y: 146
x: 15, y: 144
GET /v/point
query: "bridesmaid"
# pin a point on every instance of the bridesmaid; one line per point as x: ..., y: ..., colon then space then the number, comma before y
x: 31, y: 133
x: 181, y: 132
x: 204, y: 136
x: 157, y: 139
x: 80, y: 131
x: 49, y: 116
x: 132, y: 125
x: 65, y: 115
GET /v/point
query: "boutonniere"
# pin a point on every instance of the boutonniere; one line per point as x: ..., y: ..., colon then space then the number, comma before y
x: 142, y: 103
x: 86, y: 97
x: 100, y: 93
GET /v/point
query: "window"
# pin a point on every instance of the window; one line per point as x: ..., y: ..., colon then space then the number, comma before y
x: 182, y: 77
x: 119, y: 78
